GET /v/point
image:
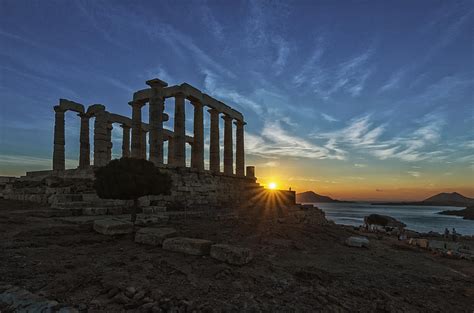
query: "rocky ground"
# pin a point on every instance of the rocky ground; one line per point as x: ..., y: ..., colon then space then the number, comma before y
x: 296, y: 267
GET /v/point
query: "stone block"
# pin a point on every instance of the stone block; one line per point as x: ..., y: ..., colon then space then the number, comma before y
x: 114, y: 211
x: 154, y: 236
x: 147, y: 220
x: 153, y: 209
x: 191, y: 246
x: 422, y: 243
x: 356, y: 241
x: 113, y: 227
x: 231, y: 254
x: 94, y: 211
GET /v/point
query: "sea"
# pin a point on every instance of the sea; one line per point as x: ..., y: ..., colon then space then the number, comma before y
x: 417, y: 217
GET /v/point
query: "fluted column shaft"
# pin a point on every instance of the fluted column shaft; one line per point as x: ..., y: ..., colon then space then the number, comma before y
x: 100, y: 139
x: 214, y: 153
x: 156, y: 130
x: 109, y: 142
x: 170, y: 150
x: 136, y: 129
x: 228, y: 151
x: 179, y: 132
x: 85, y: 147
x: 59, y: 159
x: 240, y: 153
x: 197, y: 156
x: 143, y: 145
x: 125, y: 141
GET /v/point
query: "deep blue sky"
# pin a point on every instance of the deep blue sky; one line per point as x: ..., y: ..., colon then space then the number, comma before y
x: 335, y: 93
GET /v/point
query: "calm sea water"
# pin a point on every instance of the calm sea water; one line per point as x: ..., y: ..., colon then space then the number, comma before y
x: 418, y: 218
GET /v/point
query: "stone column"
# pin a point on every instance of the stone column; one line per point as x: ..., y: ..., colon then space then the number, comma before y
x: 179, y: 131
x: 109, y: 142
x: 214, y: 153
x: 228, y: 153
x: 240, y: 153
x: 143, y: 145
x: 156, y: 130
x: 125, y: 141
x: 85, y: 148
x: 170, y: 150
x: 197, y: 155
x: 100, y: 138
x: 59, y: 159
x: 136, y: 129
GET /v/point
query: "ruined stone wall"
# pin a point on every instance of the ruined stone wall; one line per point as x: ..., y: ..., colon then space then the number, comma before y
x: 192, y: 190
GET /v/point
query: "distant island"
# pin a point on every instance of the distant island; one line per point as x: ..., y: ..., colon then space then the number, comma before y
x: 312, y: 197
x: 467, y: 213
x: 441, y: 199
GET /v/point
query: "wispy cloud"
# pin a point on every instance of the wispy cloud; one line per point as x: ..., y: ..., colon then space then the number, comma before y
x: 414, y: 174
x: 275, y: 141
x: 211, y: 22
x: 364, y: 135
x: 211, y: 86
x: 329, y: 118
x: 394, y: 81
x: 283, y: 52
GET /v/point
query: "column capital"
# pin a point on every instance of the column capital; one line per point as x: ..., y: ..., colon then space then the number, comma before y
x: 226, y: 117
x: 84, y: 115
x: 124, y: 126
x: 179, y: 94
x: 58, y: 109
x: 239, y: 123
x: 213, y: 111
x: 156, y: 83
x: 197, y: 103
x: 138, y: 104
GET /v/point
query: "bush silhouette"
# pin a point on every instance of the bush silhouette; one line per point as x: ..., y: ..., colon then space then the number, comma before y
x: 130, y: 179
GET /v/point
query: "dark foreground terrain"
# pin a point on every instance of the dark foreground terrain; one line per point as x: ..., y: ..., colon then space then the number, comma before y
x: 297, y: 267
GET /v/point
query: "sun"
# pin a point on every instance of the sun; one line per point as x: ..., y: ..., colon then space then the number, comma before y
x: 272, y: 186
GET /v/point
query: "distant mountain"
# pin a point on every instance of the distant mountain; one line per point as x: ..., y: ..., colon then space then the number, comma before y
x: 441, y: 199
x: 445, y: 197
x: 311, y: 197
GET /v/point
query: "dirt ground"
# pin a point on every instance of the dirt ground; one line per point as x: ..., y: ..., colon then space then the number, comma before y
x: 296, y: 268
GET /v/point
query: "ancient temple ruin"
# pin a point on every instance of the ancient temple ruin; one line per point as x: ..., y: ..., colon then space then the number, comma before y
x: 194, y: 187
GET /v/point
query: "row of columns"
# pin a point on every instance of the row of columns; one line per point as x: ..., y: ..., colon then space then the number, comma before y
x: 177, y: 146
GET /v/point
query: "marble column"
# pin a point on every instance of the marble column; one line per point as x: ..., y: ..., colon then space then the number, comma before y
x: 143, y: 145
x: 228, y: 151
x: 59, y: 159
x: 136, y: 129
x: 170, y: 150
x: 85, y: 147
x: 125, y: 141
x: 197, y: 155
x: 109, y: 142
x: 156, y: 130
x: 214, y: 153
x: 240, y: 153
x: 179, y: 131
x: 100, y: 138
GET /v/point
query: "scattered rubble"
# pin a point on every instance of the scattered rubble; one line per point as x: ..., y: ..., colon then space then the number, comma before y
x: 231, y: 254
x: 191, y: 246
x: 113, y: 227
x: 154, y: 236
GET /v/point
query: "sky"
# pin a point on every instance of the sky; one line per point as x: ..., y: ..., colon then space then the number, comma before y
x: 361, y: 100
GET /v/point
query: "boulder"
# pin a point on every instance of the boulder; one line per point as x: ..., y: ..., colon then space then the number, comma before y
x: 382, y: 220
x: 231, y: 254
x: 191, y: 246
x: 356, y: 241
x: 113, y: 226
x: 154, y: 236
